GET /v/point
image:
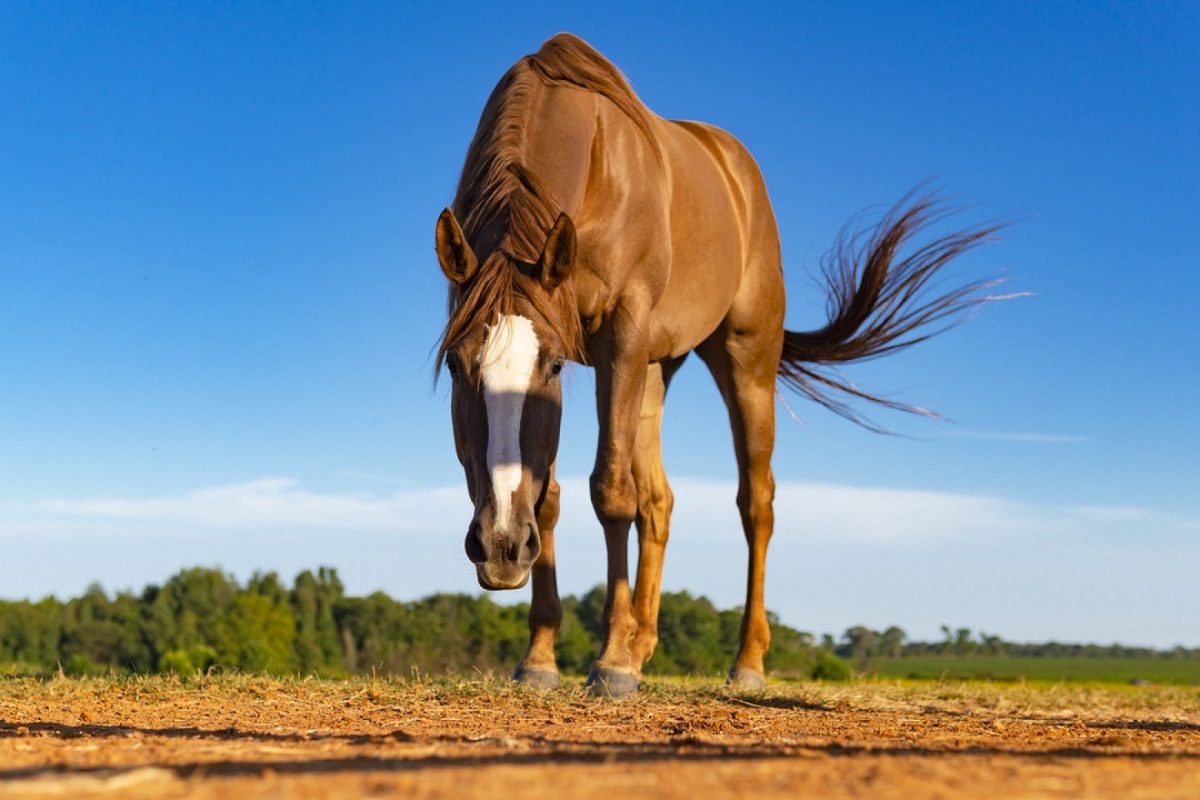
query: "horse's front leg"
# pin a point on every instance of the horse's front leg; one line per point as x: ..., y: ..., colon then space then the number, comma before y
x: 620, y: 382
x: 538, y: 667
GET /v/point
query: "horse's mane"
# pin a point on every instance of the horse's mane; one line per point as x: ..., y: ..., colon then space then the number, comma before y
x: 498, y: 193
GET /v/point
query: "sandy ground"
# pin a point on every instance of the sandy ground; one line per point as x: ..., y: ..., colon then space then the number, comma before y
x: 242, y: 736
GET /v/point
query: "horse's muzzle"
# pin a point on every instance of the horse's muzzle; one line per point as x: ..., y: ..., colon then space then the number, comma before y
x: 503, y: 559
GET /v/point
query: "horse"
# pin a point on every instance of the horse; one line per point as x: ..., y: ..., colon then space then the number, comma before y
x: 585, y: 228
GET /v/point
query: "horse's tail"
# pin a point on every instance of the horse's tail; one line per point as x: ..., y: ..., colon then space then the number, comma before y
x: 878, y: 305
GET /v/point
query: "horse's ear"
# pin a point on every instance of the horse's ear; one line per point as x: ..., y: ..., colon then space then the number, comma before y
x: 559, y: 253
x: 454, y: 254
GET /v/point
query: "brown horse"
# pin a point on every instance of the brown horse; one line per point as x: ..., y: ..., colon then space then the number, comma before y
x: 586, y: 228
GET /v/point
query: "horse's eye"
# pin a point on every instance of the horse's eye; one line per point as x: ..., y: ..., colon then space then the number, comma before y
x: 556, y: 367
x: 452, y: 367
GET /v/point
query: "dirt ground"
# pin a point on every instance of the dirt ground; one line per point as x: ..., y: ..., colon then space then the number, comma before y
x: 240, y: 736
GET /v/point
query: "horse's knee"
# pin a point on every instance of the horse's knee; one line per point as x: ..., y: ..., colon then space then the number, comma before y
x: 756, y: 499
x: 614, y: 497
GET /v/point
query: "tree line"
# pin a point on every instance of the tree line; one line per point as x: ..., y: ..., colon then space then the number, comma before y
x: 861, y: 644
x: 203, y: 619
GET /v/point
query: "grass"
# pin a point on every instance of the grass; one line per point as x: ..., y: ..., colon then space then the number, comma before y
x: 1004, y: 668
x: 1173, y: 672
x: 870, y: 693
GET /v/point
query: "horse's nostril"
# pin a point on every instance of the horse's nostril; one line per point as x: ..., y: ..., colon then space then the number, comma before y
x: 475, y: 549
x: 513, y: 547
x: 533, y: 543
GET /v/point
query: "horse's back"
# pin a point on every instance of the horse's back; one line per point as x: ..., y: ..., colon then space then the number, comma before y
x: 743, y: 180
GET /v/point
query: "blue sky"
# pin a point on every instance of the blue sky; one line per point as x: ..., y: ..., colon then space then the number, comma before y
x: 218, y: 298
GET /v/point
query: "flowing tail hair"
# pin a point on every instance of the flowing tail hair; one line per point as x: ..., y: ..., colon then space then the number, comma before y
x: 878, y: 304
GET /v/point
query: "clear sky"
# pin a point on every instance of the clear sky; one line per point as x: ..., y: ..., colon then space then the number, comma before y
x: 218, y: 297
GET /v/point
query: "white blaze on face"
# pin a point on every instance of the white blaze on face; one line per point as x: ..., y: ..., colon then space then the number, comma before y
x: 510, y: 351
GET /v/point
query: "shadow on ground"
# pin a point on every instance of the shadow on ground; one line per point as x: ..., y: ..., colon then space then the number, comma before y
x: 539, y: 752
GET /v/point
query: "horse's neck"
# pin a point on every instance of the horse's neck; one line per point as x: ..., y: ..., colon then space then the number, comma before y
x: 558, y: 143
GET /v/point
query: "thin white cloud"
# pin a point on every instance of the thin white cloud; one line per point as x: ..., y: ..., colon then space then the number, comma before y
x: 266, y: 502
x: 704, y: 509
x: 833, y: 512
x: 371, y: 477
x: 1114, y: 513
x: 1138, y: 519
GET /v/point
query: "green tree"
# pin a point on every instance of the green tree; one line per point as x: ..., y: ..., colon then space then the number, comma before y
x: 860, y: 645
x: 963, y: 644
x: 947, y: 646
x: 260, y: 636
x: 891, y: 641
x: 106, y: 634
x: 991, y: 644
x: 318, y: 641
x: 31, y: 633
x: 191, y: 609
x: 689, y: 637
x: 792, y: 652
x: 574, y: 647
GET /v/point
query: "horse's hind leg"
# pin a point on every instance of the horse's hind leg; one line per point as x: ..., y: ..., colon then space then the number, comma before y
x: 654, y: 502
x: 744, y: 364
x: 538, y: 668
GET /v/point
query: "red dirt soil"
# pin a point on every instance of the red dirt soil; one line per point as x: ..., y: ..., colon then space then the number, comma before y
x: 243, y: 736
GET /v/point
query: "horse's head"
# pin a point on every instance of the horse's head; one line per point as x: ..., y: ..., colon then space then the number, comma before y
x: 504, y: 350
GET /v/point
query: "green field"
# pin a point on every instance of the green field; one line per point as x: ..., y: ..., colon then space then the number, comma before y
x: 1014, y: 668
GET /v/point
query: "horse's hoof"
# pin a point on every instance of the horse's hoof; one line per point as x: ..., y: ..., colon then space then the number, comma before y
x: 612, y: 683
x: 746, y: 679
x: 536, y: 678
